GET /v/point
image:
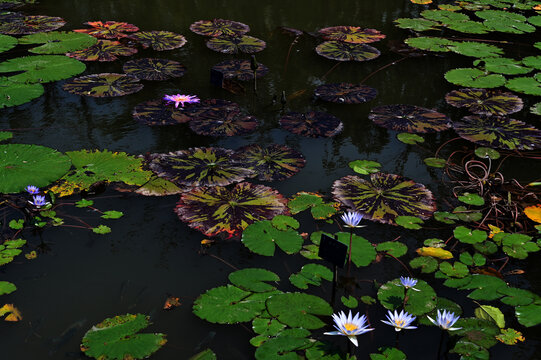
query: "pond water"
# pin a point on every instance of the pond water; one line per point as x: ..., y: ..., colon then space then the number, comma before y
x: 80, y: 278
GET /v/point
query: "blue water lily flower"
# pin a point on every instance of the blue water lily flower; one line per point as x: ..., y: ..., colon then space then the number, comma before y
x: 408, y: 283
x: 349, y: 326
x: 445, y: 320
x: 399, y: 321
x: 352, y: 219
x: 38, y: 201
x: 31, y: 189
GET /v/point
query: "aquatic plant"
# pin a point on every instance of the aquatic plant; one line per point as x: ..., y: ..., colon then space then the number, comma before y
x: 350, y: 326
x: 181, y: 99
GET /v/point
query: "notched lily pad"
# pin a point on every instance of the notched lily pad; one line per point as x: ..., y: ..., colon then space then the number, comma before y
x: 154, y: 69
x: 435, y: 44
x: 159, y: 40
x: 474, y: 78
x: 7, y: 42
x: 341, y: 51
x: 409, y: 118
x: 223, y: 123
x: 30, y: 24
x: 312, y: 124
x: 42, y: 68
x: 57, y: 42
x: 345, y: 93
x: 103, y: 85
x: 299, y: 310
x: 108, y: 29
x: 219, y: 27
x: 485, y: 102
x: 235, y: 44
x: 253, y: 279
x: 239, y: 69
x: 351, y: 34
x: 103, y: 50
x: 14, y: 93
x: 157, y: 112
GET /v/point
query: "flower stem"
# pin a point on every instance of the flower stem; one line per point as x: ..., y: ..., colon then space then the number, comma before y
x: 349, y: 249
x: 439, y: 345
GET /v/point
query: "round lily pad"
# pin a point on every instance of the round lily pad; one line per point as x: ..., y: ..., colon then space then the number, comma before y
x: 384, y: 197
x: 157, y: 112
x: 272, y: 162
x: 154, y: 69
x: 485, y: 102
x: 235, y: 44
x: 525, y: 85
x: 219, y: 27
x: 505, y: 21
x: 391, y: 296
x: 410, y: 139
x: 108, y: 29
x: 312, y: 124
x: 501, y: 65
x: 223, y: 123
x: 228, y: 211
x: 476, y: 49
x: 30, y: 24
x: 103, y: 50
x: 498, y: 132
x: 14, y: 93
x: 103, y: 85
x: 474, y: 78
x: 417, y: 24
x: 340, y: 51
x: 351, y: 34
x: 159, y: 40
x: 345, y: 93
x: 435, y: 44
x: 7, y: 42
x: 239, y: 69
x: 254, y: 279
x: 22, y: 165
x: 299, y: 310
x: 536, y: 109
x: 42, y: 68
x: 206, y: 108
x: 484, y: 152
x: 409, y: 118
x: 58, y: 42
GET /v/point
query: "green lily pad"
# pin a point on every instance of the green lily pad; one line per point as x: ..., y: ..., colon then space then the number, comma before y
x: 42, y: 68
x: 444, y: 16
x: 525, y: 85
x: 536, y: 109
x: 427, y: 264
x: 158, y: 187
x: 6, y: 288
x: 340, y: 51
x: 112, y: 214
x: 365, y: 167
x: 490, y: 313
x: 103, y: 85
x: 9, y: 249
x: 391, y: 296
x: 518, y: 245
x: 299, y: 310
x: 516, y: 296
x: 409, y: 118
x: 219, y: 27
x: 505, y: 21
x: 253, y: 279
x: 236, y: 44
x: 458, y: 269
x: 345, y: 93
x: 532, y: 61
x: 409, y: 222
x: 313, y: 201
x: 465, y: 235
x: 395, y: 248
x: 474, y: 78
x: 30, y: 24
x: 441, y: 304
x: 206, y: 354
x: 410, y: 139
x: 486, y: 287
x: 311, y: 274
x: 351, y: 34
x: 5, y: 135
x: 262, y: 237
x: 117, y: 338
x: 103, y: 50
x: 416, y: 24
x: 362, y: 251
x: 154, y: 69
x: 108, y: 29
x: 476, y: 49
x: 312, y: 124
x: 282, y: 347
x: 435, y: 44
x: 484, y: 153
x: 58, y: 42
x: 469, y: 350
x: 7, y: 42
x: 14, y: 93
x: 501, y: 65
x: 388, y: 353
x: 477, y: 331
x: 529, y: 315
x: 485, y: 102
x: 435, y: 162
x: 471, y: 199
x: 268, y: 327
x: 467, y: 215
x: 349, y: 301
x: 535, y: 20
x: 159, y: 40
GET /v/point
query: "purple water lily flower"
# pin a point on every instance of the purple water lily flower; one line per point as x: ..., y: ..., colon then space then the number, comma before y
x: 408, y: 283
x: 352, y: 219
x: 31, y: 189
x: 181, y: 99
x: 38, y: 201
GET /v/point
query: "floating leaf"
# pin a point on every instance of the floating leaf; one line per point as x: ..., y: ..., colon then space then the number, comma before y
x: 436, y: 252
x: 486, y: 287
x: 470, y: 350
x: 313, y: 201
x: 435, y: 162
x: 388, y: 353
x: 409, y: 118
x: 117, y: 338
x: 505, y: 21
x: 311, y: 274
x: 351, y: 34
x: 498, y: 132
x: 253, y: 279
x: 159, y: 40
x: 384, y: 197
x: 223, y: 123
x: 465, y: 235
x: 103, y: 85
x: 533, y: 212
x: 478, y: 331
x: 441, y: 304
x: 282, y: 347
x: 219, y: 27
x: 410, y: 139
x: 312, y: 124
x: 532, y: 61
x: 84, y: 203
x: 101, y: 229
x: 503, y: 65
x: 394, y: 248
x: 467, y: 215
x: 340, y: 51
x: 6, y: 287
x: 157, y: 113
x: 525, y: 85
x: 435, y: 44
x: 474, y: 78
x: 416, y: 24
x: 443, y: 16
x: 299, y: 310
x: 471, y: 199
x: 345, y: 93
x: 485, y: 102
x: 206, y: 109
x: 108, y: 29
x: 517, y: 245
x: 365, y: 167
x: 103, y: 50
x: 391, y: 295
x: 42, y: 68
x: 14, y: 314
x: 271, y: 162
x: 476, y: 49
x: 235, y: 44
x: 426, y: 264
x: 510, y: 336
x: 112, y: 214
x: 14, y: 93
x: 409, y: 222
x: 490, y: 313
x: 349, y: 301
x: 484, y: 152
x: 58, y: 42
x: 458, y: 269
x: 158, y: 187
x: 206, y: 354
x: 7, y: 42
x: 239, y: 69
x: 30, y: 24
x: 362, y: 251
x: 529, y: 315
x: 536, y: 109
x: 262, y: 237
x: 154, y: 69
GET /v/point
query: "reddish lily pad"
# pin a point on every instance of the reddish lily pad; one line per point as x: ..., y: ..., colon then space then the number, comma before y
x: 312, y: 124
x: 351, y: 34
x: 340, y: 51
x: 108, y: 29
x: 103, y: 50
x: 223, y: 211
x: 409, y: 118
x: 485, y: 102
x: 219, y: 27
x: 498, y: 132
x: 30, y: 24
x: 235, y: 44
x: 159, y: 40
x: 103, y: 85
x: 205, y: 109
x: 384, y: 197
x: 223, y: 123
x: 154, y: 69
x: 345, y: 93
x: 156, y: 112
x: 239, y: 69
x: 272, y: 162
x: 199, y: 167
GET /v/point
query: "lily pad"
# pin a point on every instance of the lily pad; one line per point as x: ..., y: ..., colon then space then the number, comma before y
x: 103, y: 85
x: 205, y: 109
x: 391, y: 296
x: 471, y: 199
x: 416, y: 24
x: 435, y: 44
x: 42, y: 68
x: 476, y: 49
x: 236, y: 44
x: 7, y: 42
x: 154, y: 69
x: 253, y: 279
x: 103, y: 50
x: 501, y: 65
x: 272, y: 162
x: 485, y: 102
x: 409, y: 118
x: 14, y: 93
x: 117, y: 338
x: 283, y: 347
x: 5, y: 135
x: 410, y: 139
x: 304, y: 200
x: 6, y: 287
x: 57, y: 42
x: 159, y: 40
x: 311, y: 274
x: 478, y: 331
x: 484, y: 152
x: 365, y: 167
x: 108, y: 29
x: 262, y: 237
x: 312, y: 124
x: 394, y: 248
x: 532, y: 61
x: 239, y: 69
x: 426, y: 264
x: 474, y: 78
x: 299, y: 310
x: 219, y: 27
x: 435, y: 162
x: 158, y: 187
x: 22, y: 164
x: 219, y: 210
x: 30, y: 24
x: 9, y: 249
x: 384, y: 197
x: 223, y: 123
x: 351, y: 34
x: 529, y: 315
x: 505, y: 21
x: 525, y: 85
x: 444, y: 16
x: 409, y: 222
x: 157, y: 113
x: 340, y: 51
x: 362, y: 251
x: 345, y: 93
x: 498, y: 132
x: 536, y: 109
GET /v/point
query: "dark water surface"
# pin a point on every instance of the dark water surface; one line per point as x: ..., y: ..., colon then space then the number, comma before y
x: 84, y: 277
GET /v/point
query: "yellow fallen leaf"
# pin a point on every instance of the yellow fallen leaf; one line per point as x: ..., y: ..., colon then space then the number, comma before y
x: 533, y: 212
x: 207, y: 242
x: 13, y: 313
x: 31, y: 255
x: 493, y: 231
x: 537, y: 7
x: 421, y: 2
x: 435, y: 252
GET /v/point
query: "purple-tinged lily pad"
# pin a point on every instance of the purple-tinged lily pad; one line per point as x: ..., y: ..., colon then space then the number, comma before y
x: 384, y: 197
x: 223, y: 211
x: 312, y: 124
x: 485, y: 102
x: 345, y: 93
x: 498, y: 132
x: 239, y: 69
x: 409, y: 118
x: 235, y: 44
x: 157, y: 113
x: 30, y: 24
x: 103, y: 85
x: 219, y: 27
x: 154, y: 69
x: 103, y: 50
x: 199, y: 167
x: 340, y: 51
x: 223, y: 123
x: 351, y: 34
x: 205, y: 108
x: 272, y: 162
x: 159, y: 40
x: 108, y: 29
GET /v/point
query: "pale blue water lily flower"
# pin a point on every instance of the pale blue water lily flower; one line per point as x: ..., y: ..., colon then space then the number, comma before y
x: 409, y: 283
x: 399, y: 321
x: 31, y: 189
x: 350, y: 326
x: 352, y: 219
x: 38, y: 201
x: 445, y: 320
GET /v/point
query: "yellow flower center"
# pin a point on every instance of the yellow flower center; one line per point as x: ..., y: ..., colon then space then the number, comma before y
x: 350, y: 327
x: 399, y: 323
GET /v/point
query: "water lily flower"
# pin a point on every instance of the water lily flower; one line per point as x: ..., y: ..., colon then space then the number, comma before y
x: 352, y: 219
x: 181, y: 99
x: 38, y: 201
x: 408, y: 283
x: 31, y: 189
x: 399, y: 321
x: 445, y: 320
x: 349, y: 326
